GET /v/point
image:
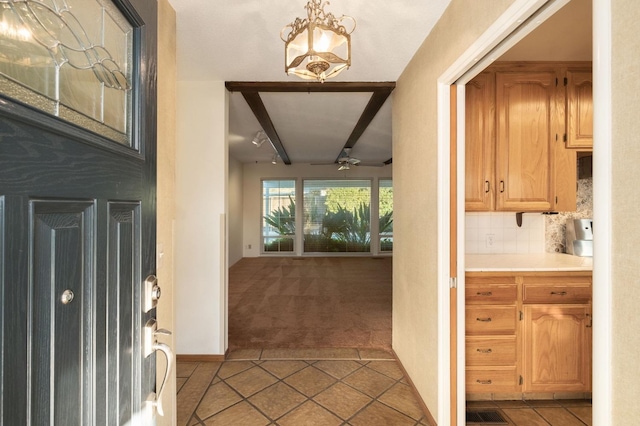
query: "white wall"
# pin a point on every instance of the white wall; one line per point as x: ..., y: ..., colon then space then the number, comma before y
x: 254, y: 173
x: 235, y: 235
x: 201, y: 182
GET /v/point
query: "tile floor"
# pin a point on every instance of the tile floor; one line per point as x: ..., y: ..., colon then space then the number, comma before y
x: 539, y: 412
x: 297, y: 387
x: 341, y: 387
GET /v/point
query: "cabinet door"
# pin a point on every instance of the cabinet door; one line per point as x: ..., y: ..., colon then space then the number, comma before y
x: 480, y: 143
x: 557, y: 348
x: 580, y: 109
x: 528, y: 118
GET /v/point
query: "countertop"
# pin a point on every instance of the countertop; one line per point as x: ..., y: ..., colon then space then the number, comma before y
x: 527, y: 262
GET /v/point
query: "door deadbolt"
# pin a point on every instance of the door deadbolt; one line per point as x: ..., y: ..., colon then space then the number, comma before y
x: 151, y: 293
x: 67, y: 297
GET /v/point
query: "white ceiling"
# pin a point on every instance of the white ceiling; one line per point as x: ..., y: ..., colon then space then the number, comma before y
x: 240, y: 41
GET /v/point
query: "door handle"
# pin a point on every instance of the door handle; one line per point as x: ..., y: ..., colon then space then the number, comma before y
x: 152, y: 345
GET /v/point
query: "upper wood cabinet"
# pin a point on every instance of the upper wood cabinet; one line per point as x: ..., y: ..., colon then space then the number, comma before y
x: 480, y: 143
x: 527, y: 125
x: 515, y: 156
x: 579, y: 108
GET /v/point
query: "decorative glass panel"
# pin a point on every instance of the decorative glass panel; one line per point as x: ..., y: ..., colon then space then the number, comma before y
x: 72, y: 59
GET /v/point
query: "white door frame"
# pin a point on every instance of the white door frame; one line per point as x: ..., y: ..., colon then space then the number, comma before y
x: 497, y: 39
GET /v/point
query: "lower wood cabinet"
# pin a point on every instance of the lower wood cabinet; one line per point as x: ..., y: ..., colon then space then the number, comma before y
x: 529, y: 332
x: 557, y: 348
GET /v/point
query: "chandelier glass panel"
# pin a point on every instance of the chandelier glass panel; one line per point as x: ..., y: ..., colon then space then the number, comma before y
x: 319, y: 46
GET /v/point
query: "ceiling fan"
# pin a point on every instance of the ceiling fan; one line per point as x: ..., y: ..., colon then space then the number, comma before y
x: 345, y: 161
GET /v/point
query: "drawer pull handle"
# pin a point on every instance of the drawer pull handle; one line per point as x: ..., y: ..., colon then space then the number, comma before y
x: 484, y: 351
x: 487, y: 186
x: 484, y: 382
x: 484, y: 293
x: 558, y: 293
x: 483, y: 319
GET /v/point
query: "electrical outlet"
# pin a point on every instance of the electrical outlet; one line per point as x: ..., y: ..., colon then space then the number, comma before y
x: 249, y: 246
x: 490, y: 239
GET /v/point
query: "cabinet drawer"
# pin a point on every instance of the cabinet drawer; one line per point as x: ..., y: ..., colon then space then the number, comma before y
x: 481, y: 319
x: 497, y: 379
x: 501, y: 294
x: 491, y: 350
x: 532, y: 293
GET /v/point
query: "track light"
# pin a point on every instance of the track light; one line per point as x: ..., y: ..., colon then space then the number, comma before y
x: 274, y: 159
x: 259, y: 139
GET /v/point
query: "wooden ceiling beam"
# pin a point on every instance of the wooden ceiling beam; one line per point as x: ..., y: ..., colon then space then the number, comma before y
x: 275, y: 86
x: 260, y: 111
x: 378, y: 98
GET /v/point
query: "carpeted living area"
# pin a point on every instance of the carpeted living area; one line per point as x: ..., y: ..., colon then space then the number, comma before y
x: 310, y: 302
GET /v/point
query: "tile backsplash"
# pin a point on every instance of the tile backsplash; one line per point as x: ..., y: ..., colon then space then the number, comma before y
x: 497, y: 232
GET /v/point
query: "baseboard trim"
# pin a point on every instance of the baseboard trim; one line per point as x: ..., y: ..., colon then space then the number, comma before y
x: 200, y: 358
x: 424, y: 407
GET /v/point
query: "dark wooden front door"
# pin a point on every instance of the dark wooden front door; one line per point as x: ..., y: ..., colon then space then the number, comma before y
x: 77, y: 239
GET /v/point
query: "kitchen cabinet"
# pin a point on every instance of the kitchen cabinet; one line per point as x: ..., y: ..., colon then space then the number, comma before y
x: 480, y: 143
x: 528, y: 332
x: 515, y: 156
x: 491, y: 341
x: 557, y: 334
x: 579, y: 82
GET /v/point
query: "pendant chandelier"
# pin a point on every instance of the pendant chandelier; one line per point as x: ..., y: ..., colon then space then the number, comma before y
x: 319, y: 46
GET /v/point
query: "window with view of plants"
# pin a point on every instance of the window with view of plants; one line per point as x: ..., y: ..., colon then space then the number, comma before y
x: 278, y: 215
x: 385, y: 211
x: 337, y: 216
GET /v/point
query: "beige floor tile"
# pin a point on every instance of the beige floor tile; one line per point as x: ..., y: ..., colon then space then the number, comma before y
x: 185, y: 369
x: 245, y: 354
x: 282, y: 369
x: 309, y: 414
x: 251, y: 381
x: 338, y: 369
x: 481, y: 404
x: 192, y: 391
x: 401, y: 398
x: 180, y: 381
x: 277, y: 400
x: 310, y: 381
x: 389, y: 369
x: 369, y: 382
x: 375, y: 354
x: 524, y: 417
x: 559, y: 416
x: 231, y: 368
x: 195, y: 421
x: 314, y: 354
x: 543, y: 403
x: 242, y: 414
x: 518, y: 403
x: 378, y: 414
x: 218, y: 397
x: 576, y: 403
x: 342, y: 400
x: 583, y: 413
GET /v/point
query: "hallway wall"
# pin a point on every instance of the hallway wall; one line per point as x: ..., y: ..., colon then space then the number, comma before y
x: 201, y: 200
x: 415, y: 155
x: 625, y: 268
x: 236, y: 205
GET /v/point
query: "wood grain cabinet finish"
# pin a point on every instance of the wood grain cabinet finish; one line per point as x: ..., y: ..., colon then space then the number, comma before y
x: 515, y: 125
x: 528, y: 332
x: 579, y: 108
x: 491, y: 345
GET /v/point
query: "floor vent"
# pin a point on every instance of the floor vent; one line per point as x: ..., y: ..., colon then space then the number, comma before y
x: 485, y: 418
